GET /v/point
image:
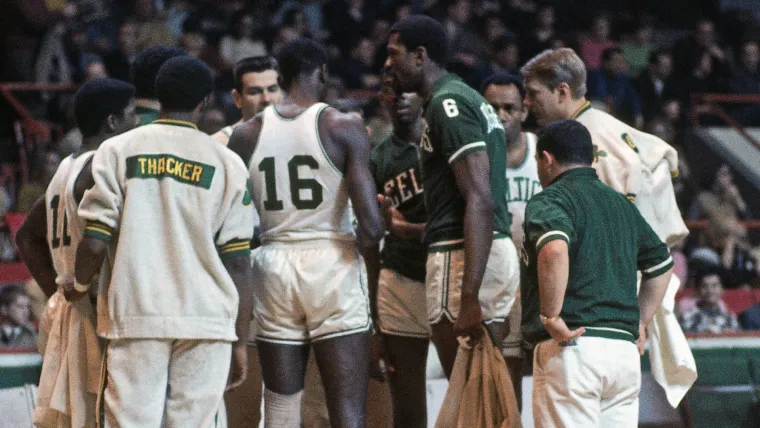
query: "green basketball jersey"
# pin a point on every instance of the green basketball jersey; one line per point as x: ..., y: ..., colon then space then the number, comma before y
x: 147, y: 115
x: 395, y: 166
x: 459, y: 121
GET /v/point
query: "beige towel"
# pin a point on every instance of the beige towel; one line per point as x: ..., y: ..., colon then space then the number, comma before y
x: 70, y: 376
x: 480, y: 392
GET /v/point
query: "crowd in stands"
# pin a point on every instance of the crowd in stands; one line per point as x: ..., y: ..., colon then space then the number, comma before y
x: 644, y: 63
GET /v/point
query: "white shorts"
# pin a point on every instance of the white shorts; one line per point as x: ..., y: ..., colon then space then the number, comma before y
x: 594, y: 383
x: 497, y: 291
x: 163, y: 382
x: 401, y: 307
x: 511, y: 346
x: 309, y: 291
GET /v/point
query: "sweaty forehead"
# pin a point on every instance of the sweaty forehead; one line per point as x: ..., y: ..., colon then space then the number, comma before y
x: 262, y: 80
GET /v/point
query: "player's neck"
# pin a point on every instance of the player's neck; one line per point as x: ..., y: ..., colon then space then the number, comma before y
x: 300, y: 96
x: 561, y: 169
x: 574, y: 107
x: 182, y: 116
x: 147, y: 103
x: 516, y: 151
x: 411, y: 132
x: 92, y: 143
x: 431, y: 77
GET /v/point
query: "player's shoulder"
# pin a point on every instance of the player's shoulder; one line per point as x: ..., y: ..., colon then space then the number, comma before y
x: 333, y: 118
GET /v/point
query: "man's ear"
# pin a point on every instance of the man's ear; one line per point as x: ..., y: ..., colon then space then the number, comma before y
x: 565, y: 94
x: 237, y: 98
x: 420, y: 55
x: 111, y: 123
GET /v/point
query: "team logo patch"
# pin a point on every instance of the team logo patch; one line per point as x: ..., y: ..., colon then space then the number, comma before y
x: 629, y: 141
x: 598, y: 153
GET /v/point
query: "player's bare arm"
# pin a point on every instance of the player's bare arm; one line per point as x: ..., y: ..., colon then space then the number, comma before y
x: 244, y: 138
x: 239, y: 269
x: 31, y: 240
x: 91, y: 253
x: 553, y: 273
x: 348, y: 146
x: 472, y: 177
x: 651, y: 295
x: 84, y: 182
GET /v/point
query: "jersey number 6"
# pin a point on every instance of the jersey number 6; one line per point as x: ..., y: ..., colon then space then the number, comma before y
x: 297, y: 184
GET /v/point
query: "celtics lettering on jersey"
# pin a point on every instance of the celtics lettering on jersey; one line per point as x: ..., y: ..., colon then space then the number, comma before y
x: 521, y: 189
x: 404, y: 186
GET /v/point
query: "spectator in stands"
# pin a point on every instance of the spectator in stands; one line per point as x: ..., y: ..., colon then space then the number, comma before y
x: 656, y: 84
x: 151, y: 30
x: 16, y: 329
x: 592, y: 48
x: 612, y: 85
x: 243, y: 43
x: 709, y: 315
x: 95, y: 69
x: 638, y: 50
x: 749, y: 319
x: 462, y: 39
x: 722, y: 202
x: 356, y: 70
x: 689, y: 51
x: 347, y: 21
x: 745, y: 79
x: 42, y: 171
x: 738, y: 267
x: 380, y: 33
x: 118, y: 61
x: 506, y: 55
x: 540, y: 37
x: 702, y: 77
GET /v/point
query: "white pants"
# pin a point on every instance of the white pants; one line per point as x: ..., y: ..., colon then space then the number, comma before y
x: 401, y: 306
x: 594, y: 383
x: 163, y: 383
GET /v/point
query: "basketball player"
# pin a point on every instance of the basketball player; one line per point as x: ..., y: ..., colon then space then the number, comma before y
x: 584, y: 243
x: 47, y: 243
x: 144, y: 70
x: 555, y: 82
x: 171, y: 208
x: 255, y: 88
x: 505, y: 93
x: 472, y: 269
x: 401, y: 310
x: 306, y: 160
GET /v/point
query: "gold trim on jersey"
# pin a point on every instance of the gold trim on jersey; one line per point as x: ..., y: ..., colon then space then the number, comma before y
x: 176, y: 122
x: 582, y: 109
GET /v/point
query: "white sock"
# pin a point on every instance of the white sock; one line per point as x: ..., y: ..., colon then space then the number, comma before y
x: 282, y: 411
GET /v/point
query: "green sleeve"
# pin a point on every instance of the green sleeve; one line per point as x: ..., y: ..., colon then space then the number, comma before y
x: 456, y: 127
x: 546, y: 220
x: 653, y: 255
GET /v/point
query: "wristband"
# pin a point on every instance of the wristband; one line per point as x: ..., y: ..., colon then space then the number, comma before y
x: 81, y: 287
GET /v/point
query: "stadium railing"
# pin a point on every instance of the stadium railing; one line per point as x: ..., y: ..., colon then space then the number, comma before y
x: 715, y: 102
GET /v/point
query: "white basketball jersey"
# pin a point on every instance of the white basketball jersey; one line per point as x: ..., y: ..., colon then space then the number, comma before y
x: 522, y: 184
x: 299, y: 194
x: 64, y: 227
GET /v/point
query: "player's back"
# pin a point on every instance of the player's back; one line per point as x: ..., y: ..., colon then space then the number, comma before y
x: 179, y: 192
x: 298, y: 192
x: 64, y: 226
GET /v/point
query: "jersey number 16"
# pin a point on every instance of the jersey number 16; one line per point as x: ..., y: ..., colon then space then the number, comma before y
x: 297, y: 184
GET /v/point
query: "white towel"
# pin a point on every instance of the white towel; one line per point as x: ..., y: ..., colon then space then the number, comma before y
x: 642, y: 166
x: 70, y: 376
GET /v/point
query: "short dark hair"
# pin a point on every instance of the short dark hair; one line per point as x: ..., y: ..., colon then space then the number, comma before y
x: 300, y: 56
x: 608, y: 53
x: 703, y: 272
x: 96, y: 100
x: 504, y: 79
x: 146, y: 65
x: 568, y: 140
x: 10, y: 293
x: 421, y: 30
x: 254, y: 64
x: 183, y: 83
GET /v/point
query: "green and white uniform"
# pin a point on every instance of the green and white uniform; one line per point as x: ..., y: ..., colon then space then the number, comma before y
x: 594, y: 381
x: 401, y: 287
x: 459, y: 122
x: 522, y: 184
x: 312, y: 283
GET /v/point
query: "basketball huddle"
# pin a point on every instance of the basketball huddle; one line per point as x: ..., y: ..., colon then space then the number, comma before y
x: 179, y: 264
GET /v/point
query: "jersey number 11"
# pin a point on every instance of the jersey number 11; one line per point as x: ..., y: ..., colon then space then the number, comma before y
x: 56, y: 241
